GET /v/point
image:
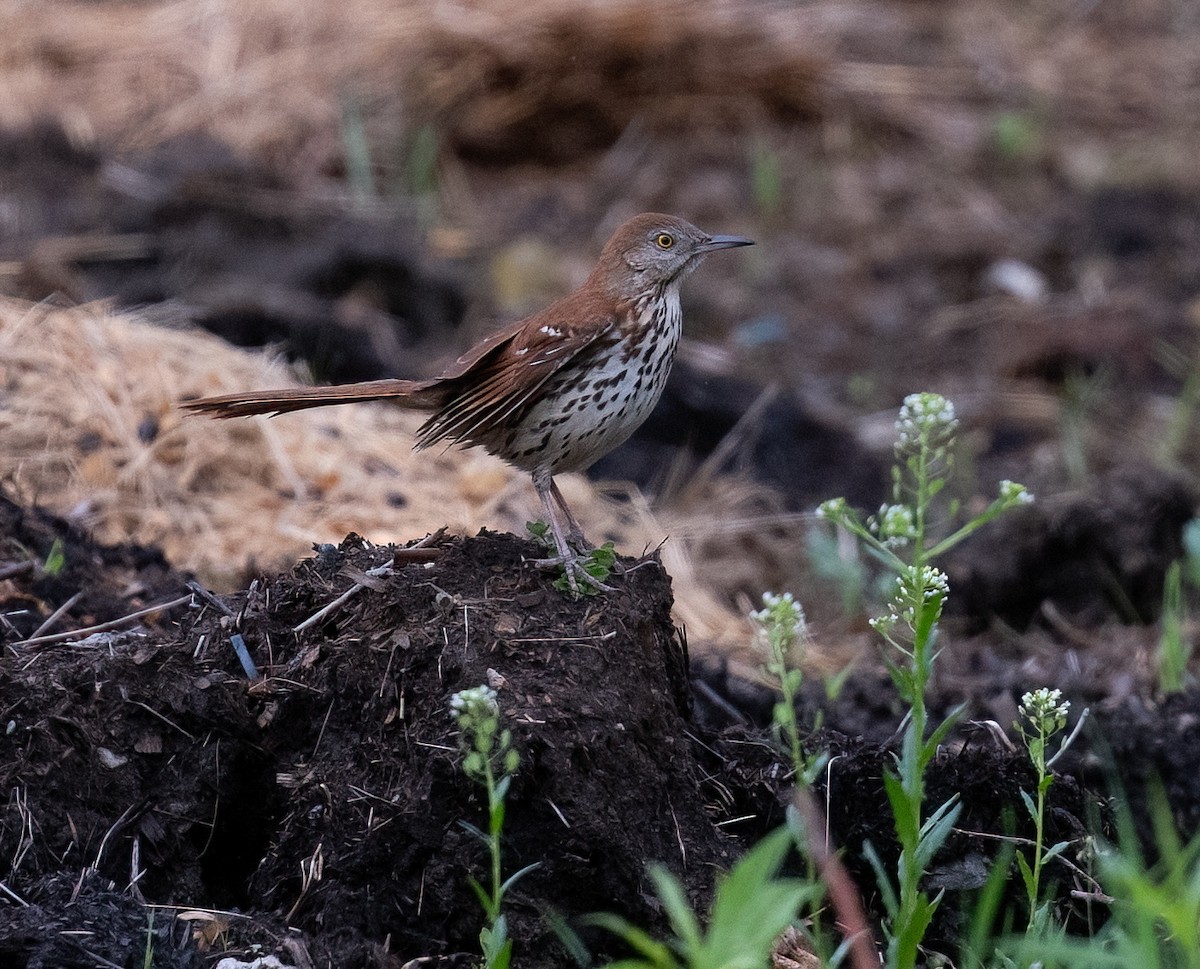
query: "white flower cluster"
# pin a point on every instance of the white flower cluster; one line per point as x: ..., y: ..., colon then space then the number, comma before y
x: 780, y: 612
x: 930, y: 581
x: 833, y: 510
x: 476, y: 702
x: 1045, y: 703
x: 912, y: 587
x: 929, y: 416
x: 1017, y: 494
x: 896, y: 525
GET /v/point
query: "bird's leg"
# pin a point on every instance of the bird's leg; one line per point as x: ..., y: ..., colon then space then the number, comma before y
x: 574, y: 529
x: 571, y: 562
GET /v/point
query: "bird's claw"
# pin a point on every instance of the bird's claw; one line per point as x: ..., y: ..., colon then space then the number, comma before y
x: 573, y: 568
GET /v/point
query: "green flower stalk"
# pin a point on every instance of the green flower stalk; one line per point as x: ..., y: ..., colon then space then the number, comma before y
x: 901, y: 536
x: 489, y: 759
x: 781, y: 627
x: 1043, y: 714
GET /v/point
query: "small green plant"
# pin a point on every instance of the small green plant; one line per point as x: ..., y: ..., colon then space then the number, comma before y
x: 356, y: 150
x: 839, y: 566
x: 598, y: 563
x: 1155, y: 908
x: 1043, y: 714
x: 1015, y: 135
x: 1080, y: 399
x: 148, y: 953
x: 1174, y: 647
x: 489, y: 759
x: 1184, y: 366
x: 902, y: 536
x: 421, y: 162
x: 56, y: 558
x: 766, y: 178
x: 781, y: 629
x: 750, y: 909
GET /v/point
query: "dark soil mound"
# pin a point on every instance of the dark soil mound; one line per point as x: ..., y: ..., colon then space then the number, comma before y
x: 155, y: 761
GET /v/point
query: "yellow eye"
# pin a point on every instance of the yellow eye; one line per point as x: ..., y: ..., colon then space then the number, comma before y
x: 664, y: 240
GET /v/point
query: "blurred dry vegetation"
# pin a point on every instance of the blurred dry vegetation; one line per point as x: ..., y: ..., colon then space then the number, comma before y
x: 996, y: 200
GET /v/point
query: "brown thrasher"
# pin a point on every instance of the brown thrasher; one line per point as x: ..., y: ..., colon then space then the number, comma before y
x: 554, y: 392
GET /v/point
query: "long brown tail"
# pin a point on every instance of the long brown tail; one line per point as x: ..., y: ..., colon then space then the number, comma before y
x: 416, y: 394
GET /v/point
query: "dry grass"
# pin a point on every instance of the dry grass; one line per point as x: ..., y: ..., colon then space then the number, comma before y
x: 272, y: 78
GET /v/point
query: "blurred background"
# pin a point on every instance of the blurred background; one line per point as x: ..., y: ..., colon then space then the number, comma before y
x: 998, y: 200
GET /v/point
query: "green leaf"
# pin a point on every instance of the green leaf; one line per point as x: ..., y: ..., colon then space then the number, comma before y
x: 56, y: 558
x: 910, y: 933
x: 496, y: 817
x: 485, y: 898
x: 938, y: 736
x: 468, y: 826
x: 1030, y: 806
x: 496, y: 945
x: 654, y: 953
x: 1055, y: 851
x: 675, y: 902
x: 752, y: 907
x: 903, y: 813
x: 886, y: 890
x: 513, y: 878
x: 1026, y: 875
x: 935, y: 831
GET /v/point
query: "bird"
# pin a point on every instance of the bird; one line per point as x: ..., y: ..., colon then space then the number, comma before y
x: 556, y: 391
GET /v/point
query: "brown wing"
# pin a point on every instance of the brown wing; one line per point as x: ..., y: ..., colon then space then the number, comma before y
x: 489, y: 388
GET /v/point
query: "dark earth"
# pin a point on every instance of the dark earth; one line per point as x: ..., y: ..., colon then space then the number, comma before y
x: 144, y: 765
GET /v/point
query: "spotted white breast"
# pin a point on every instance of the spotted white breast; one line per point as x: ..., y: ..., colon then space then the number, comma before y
x: 593, y: 406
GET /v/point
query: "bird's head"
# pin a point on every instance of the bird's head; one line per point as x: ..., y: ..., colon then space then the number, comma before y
x: 651, y: 251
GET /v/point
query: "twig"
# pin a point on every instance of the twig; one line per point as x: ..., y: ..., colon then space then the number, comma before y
x: 124, y: 819
x: 311, y: 871
x: 56, y: 615
x: 341, y: 600
x: 415, y: 554
x: 13, y: 895
x: 321, y: 734
x: 104, y: 626
x: 16, y: 569
x: 211, y: 599
x: 421, y: 551
x: 98, y: 960
x: 169, y: 722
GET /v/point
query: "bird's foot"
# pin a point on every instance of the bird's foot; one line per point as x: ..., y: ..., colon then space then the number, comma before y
x: 575, y: 573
